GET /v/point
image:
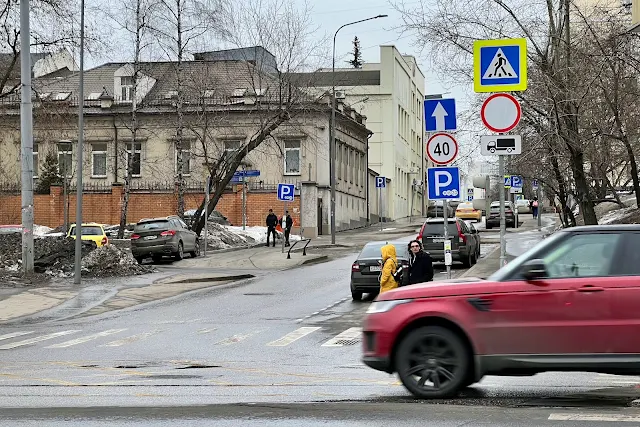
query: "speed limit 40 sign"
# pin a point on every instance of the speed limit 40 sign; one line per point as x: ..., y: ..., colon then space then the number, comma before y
x: 442, y: 148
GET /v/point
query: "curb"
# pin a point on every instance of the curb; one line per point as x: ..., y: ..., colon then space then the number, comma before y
x: 204, y: 279
x: 469, y: 272
x: 320, y: 259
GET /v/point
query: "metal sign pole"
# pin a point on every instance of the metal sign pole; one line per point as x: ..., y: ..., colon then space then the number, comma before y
x: 503, y: 243
x: 206, y: 214
x: 380, y: 205
x: 447, y: 242
x: 244, y: 200
x: 284, y: 224
x: 539, y: 208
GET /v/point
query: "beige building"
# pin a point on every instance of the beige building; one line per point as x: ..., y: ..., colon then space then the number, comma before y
x: 391, y: 95
x: 227, y: 103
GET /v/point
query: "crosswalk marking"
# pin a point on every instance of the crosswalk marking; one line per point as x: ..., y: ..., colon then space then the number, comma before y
x: 14, y: 334
x: 128, y: 340
x: 350, y: 336
x: 37, y: 339
x: 87, y: 338
x: 293, y: 336
x: 595, y: 417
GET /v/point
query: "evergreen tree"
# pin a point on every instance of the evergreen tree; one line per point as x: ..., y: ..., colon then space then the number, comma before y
x: 356, y: 61
x: 49, y: 175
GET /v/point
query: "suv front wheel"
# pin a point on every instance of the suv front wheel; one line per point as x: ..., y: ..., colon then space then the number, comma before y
x: 432, y: 362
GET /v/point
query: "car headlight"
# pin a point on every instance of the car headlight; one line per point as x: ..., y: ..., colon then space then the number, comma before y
x: 384, y: 306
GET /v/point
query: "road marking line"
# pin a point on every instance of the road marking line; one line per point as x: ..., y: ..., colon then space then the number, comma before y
x: 128, y: 340
x: 14, y: 334
x: 206, y: 330
x: 293, y: 336
x: 37, y: 339
x: 349, y: 334
x: 595, y: 417
x: 87, y: 338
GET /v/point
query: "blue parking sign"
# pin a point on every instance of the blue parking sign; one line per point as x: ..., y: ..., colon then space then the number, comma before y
x: 286, y: 192
x: 443, y: 183
x: 381, y: 182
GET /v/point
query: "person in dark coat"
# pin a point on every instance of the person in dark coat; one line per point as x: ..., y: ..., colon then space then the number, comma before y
x: 420, y: 264
x: 272, y: 222
x: 286, y: 222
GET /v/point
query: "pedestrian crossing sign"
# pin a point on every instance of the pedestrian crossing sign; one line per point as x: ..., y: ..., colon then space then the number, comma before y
x: 500, y: 65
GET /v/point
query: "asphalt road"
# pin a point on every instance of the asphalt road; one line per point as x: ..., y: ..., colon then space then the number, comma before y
x: 279, y: 350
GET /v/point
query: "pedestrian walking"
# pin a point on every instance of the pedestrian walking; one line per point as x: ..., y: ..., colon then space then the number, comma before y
x: 272, y: 222
x: 286, y: 222
x: 534, y: 207
x: 420, y: 264
x: 389, y: 267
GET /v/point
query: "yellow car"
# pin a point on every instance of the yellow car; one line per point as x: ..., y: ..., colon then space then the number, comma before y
x: 91, y: 232
x: 465, y: 210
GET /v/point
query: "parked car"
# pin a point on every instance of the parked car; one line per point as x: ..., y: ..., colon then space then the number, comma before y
x: 523, y: 206
x: 465, y: 210
x: 493, y: 219
x: 568, y: 304
x: 366, y: 269
x: 90, y: 232
x: 157, y: 237
x: 436, y: 210
x: 465, y: 240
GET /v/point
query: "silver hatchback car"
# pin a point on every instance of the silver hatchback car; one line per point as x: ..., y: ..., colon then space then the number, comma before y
x: 158, y: 237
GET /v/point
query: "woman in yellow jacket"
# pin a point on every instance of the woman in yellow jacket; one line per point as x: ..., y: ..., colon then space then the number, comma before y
x: 389, y: 263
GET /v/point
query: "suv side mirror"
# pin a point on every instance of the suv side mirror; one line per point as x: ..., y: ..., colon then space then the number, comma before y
x: 534, y: 270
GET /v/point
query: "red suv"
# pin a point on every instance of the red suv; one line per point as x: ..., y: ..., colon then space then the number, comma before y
x: 568, y: 304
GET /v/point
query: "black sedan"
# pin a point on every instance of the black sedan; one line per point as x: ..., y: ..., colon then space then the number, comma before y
x: 366, y: 269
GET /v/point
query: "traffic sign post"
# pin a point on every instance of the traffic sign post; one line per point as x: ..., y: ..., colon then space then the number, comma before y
x: 444, y: 183
x: 492, y: 145
x: 500, y: 65
x: 286, y: 194
x: 381, y: 182
x: 442, y: 148
x: 440, y: 115
x: 500, y: 112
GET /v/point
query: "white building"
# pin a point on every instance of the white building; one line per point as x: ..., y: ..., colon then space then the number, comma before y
x: 391, y: 95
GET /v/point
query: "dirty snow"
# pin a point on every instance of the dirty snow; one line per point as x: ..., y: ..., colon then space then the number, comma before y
x: 615, y: 216
x: 227, y: 236
x: 41, y: 230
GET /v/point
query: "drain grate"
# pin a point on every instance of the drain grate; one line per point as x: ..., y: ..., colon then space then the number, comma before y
x: 353, y: 341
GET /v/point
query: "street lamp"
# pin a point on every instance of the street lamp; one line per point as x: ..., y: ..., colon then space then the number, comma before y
x: 332, y: 129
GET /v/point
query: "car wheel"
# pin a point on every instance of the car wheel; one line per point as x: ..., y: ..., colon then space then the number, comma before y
x: 356, y: 296
x: 473, y: 259
x: 196, y: 250
x: 180, y: 254
x: 139, y: 259
x: 488, y: 227
x: 432, y: 362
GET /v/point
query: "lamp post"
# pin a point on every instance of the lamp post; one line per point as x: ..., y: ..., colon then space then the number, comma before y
x: 77, y: 277
x: 332, y: 129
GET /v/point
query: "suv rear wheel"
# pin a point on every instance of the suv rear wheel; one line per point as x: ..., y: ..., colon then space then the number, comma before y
x: 180, y: 254
x: 432, y: 362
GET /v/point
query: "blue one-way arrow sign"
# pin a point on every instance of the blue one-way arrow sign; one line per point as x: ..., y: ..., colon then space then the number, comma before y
x: 440, y: 115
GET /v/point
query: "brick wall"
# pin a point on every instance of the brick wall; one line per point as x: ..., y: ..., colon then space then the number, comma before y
x: 105, y: 207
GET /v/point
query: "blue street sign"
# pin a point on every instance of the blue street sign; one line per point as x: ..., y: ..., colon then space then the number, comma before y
x: 440, y: 115
x: 381, y: 182
x: 443, y: 183
x: 286, y: 192
x: 246, y: 173
x: 516, y: 181
x: 469, y: 198
x: 535, y: 184
x: 507, y: 181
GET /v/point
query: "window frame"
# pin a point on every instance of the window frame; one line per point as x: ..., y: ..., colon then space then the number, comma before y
x: 188, y: 163
x: 128, y: 147
x: 105, y: 153
x: 286, y: 150
x: 69, y: 153
x: 126, y: 89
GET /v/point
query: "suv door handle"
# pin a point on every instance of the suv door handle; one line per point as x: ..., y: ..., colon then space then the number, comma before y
x: 590, y: 288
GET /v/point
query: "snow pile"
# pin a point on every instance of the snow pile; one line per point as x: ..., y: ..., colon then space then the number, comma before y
x: 41, y: 230
x: 110, y: 260
x: 614, y: 216
x: 226, y: 236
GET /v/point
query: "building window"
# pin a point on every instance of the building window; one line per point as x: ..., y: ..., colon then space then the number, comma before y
x: 126, y: 84
x: 65, y: 158
x: 99, y: 161
x: 339, y: 160
x: 292, y: 157
x: 345, y: 161
x: 230, y: 147
x: 36, y: 168
x: 136, y: 160
x: 186, y: 158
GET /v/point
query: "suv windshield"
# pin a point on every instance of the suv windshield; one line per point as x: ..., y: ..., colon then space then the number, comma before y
x: 153, y: 225
x: 372, y: 250
x: 87, y: 231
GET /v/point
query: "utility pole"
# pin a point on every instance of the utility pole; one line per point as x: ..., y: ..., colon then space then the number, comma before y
x: 77, y: 278
x: 503, y: 228
x: 26, y: 139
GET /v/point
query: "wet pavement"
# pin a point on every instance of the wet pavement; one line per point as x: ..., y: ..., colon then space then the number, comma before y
x: 280, y: 349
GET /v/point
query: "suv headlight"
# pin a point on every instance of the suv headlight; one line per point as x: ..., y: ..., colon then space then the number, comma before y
x: 384, y: 306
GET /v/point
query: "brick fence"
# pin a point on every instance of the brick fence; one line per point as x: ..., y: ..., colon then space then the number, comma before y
x: 104, y: 206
